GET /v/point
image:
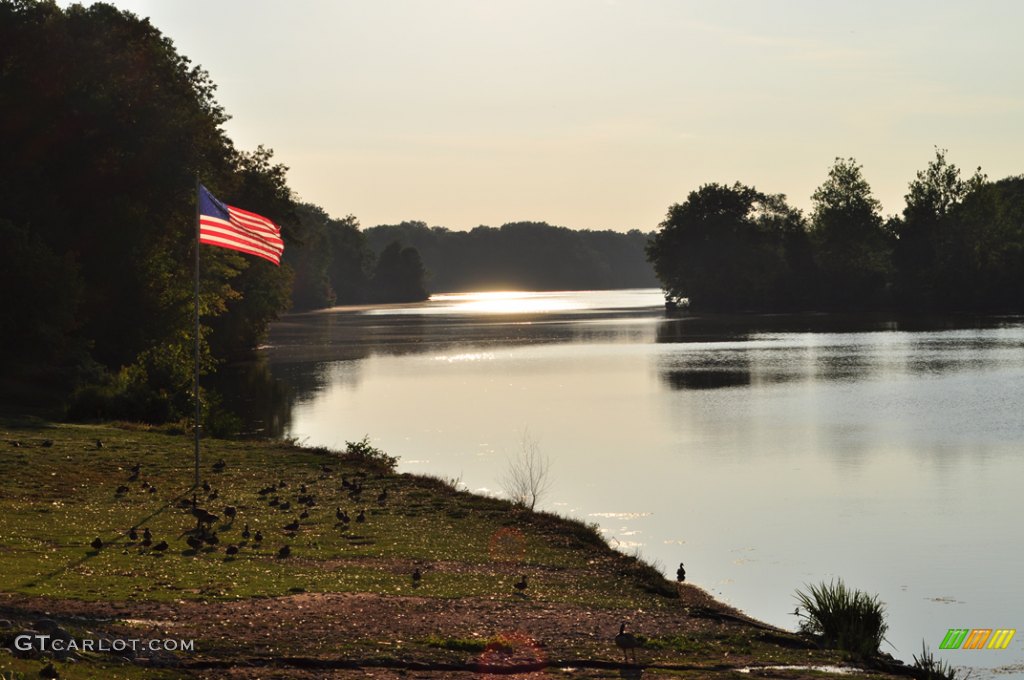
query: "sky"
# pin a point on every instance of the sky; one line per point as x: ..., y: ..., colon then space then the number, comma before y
x: 600, y: 114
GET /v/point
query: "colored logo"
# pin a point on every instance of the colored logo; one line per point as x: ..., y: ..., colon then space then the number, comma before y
x: 977, y: 638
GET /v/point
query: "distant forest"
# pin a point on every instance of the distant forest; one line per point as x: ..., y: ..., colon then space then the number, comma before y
x: 523, y: 256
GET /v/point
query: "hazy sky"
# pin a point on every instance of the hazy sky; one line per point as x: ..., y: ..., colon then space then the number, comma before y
x: 601, y: 114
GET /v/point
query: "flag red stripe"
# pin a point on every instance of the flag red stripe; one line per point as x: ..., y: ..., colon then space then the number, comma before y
x: 212, y: 223
x: 215, y: 232
x: 241, y: 248
x: 220, y: 235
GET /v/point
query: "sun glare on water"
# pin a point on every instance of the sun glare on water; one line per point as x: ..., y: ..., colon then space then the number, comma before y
x: 504, y: 302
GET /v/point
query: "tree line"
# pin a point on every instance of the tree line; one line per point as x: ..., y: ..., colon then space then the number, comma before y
x: 523, y: 256
x: 957, y: 246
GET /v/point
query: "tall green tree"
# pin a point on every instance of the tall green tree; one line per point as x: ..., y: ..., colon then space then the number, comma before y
x: 104, y: 128
x: 930, y: 251
x: 399, y: 275
x: 732, y: 248
x: 853, y: 250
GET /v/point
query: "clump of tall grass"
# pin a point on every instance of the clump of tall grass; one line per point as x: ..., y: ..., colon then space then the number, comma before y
x: 842, y: 618
x: 936, y: 669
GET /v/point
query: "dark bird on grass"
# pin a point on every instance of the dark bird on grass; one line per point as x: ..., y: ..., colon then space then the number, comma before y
x: 274, y: 501
x: 326, y: 470
x: 97, y: 543
x: 680, y: 573
x: 211, y: 539
x: 302, y: 489
x: 282, y: 484
x: 520, y: 585
x: 48, y: 671
x: 219, y: 466
x: 152, y: 489
x: 194, y: 542
x: 230, y: 511
x: 627, y: 642
x: 294, y: 526
x: 286, y: 551
x: 121, y: 490
x: 47, y: 443
x: 147, y: 537
x: 417, y: 576
x: 258, y: 537
x: 245, y: 532
x: 361, y: 517
x: 145, y: 485
x: 15, y: 443
x: 214, y: 495
x: 135, y: 470
x: 266, y: 490
x: 232, y: 550
x: 99, y: 444
x: 284, y: 506
x: 345, y: 484
x: 339, y: 514
x: 304, y: 515
x: 206, y: 487
x: 382, y: 497
x: 133, y: 535
x: 162, y: 545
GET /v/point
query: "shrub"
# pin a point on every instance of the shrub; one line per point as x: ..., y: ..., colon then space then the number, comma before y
x: 935, y: 669
x: 845, y: 619
x: 365, y: 453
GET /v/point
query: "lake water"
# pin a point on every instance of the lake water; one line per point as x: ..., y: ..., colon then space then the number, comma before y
x: 765, y: 452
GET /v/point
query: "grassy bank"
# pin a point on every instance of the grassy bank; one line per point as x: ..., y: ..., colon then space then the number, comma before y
x: 345, y: 597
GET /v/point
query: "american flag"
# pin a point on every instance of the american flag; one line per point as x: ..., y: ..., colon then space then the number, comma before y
x: 230, y: 227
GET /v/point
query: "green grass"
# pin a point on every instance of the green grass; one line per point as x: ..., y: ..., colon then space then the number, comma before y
x: 844, y: 619
x: 55, y: 500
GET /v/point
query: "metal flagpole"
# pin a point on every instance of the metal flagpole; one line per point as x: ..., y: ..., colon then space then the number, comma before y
x: 195, y: 382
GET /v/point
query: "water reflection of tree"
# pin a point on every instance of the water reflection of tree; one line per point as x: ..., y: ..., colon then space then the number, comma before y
x: 249, y: 391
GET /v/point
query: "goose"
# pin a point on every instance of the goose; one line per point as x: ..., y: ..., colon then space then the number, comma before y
x: 258, y: 537
x: 294, y: 526
x: 245, y: 532
x: 230, y: 511
x: 285, y: 506
x: 232, y: 550
x: 339, y: 514
x: 133, y: 535
x: 162, y: 545
x: 382, y: 497
x: 99, y: 444
x: 416, y: 577
x: 206, y: 487
x: 361, y: 517
x: 627, y: 642
x: 286, y: 551
x: 520, y: 585
x: 219, y: 466
x: 304, y: 515
x: 680, y: 573
x: 194, y: 543
x: 47, y: 443
x: 121, y: 490
x: 97, y: 543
